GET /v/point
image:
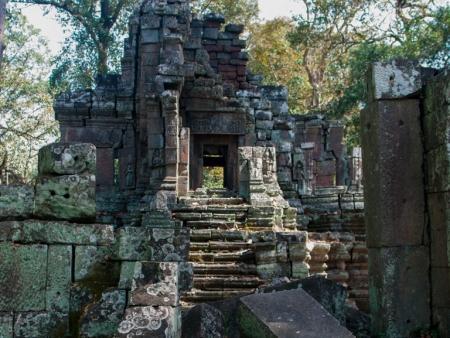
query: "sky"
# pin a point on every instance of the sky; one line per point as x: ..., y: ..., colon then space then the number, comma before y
x: 50, y: 28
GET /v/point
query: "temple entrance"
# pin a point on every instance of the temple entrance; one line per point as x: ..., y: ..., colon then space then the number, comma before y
x: 213, y: 162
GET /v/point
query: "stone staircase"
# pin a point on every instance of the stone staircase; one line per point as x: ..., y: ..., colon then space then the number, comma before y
x: 222, y: 256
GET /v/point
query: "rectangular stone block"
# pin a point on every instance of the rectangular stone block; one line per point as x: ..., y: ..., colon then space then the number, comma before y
x: 149, y: 321
x: 400, y: 274
x: 393, y: 176
x: 88, y: 258
x: 59, y: 278
x: 127, y: 274
x: 16, y: 202
x: 6, y: 324
x: 155, y: 284
x: 54, y: 232
x: 150, y: 36
x: 153, y: 244
x: 69, y: 197
x: 23, y: 277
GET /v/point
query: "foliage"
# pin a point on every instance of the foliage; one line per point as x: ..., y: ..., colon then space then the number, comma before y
x: 94, y: 45
x: 26, y: 115
x: 213, y: 177
x: 272, y: 56
x: 235, y: 11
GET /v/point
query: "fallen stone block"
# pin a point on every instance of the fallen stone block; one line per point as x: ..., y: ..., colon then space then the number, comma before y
x: 70, y: 197
x: 67, y: 159
x: 149, y: 322
x: 286, y: 314
x: 16, y: 201
x: 203, y: 321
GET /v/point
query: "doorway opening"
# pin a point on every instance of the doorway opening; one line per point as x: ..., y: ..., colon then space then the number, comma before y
x: 214, y: 166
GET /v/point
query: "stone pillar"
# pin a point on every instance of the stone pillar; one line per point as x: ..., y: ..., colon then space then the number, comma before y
x: 401, y: 273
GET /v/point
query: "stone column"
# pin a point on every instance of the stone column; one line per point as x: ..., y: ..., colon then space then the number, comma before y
x: 398, y: 234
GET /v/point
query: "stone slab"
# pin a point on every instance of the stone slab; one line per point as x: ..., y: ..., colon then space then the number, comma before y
x: 16, y: 201
x: 287, y: 314
x: 54, y: 232
x: 23, y: 277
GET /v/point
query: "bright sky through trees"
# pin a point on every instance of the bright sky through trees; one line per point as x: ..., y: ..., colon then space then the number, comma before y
x: 50, y: 28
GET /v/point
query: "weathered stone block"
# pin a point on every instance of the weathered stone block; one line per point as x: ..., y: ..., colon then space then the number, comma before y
x: 148, y: 321
x: 103, y: 318
x: 150, y: 36
x: 59, y: 278
x: 88, y: 258
x: 36, y: 231
x: 23, y: 277
x: 203, y: 321
x: 66, y: 197
x: 16, y: 202
x: 393, y: 184
x: 32, y: 325
x: 126, y: 274
x: 395, y: 79
x: 6, y: 324
x: 399, y: 274
x: 155, y: 284
x: 67, y: 159
x: 153, y: 244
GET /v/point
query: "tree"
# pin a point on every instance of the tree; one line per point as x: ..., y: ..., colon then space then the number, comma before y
x: 235, y: 11
x: 95, y: 27
x: 26, y: 114
x: 272, y: 56
x: 2, y: 26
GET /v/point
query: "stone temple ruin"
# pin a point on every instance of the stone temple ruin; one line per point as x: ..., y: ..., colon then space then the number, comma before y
x: 120, y: 238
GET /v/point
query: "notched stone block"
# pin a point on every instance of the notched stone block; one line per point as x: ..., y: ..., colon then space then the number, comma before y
x: 70, y: 197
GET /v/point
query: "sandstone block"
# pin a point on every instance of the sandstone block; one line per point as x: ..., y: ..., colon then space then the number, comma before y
x: 6, y: 324
x: 148, y: 321
x: 32, y: 325
x: 67, y: 159
x: 203, y: 321
x: 23, y: 277
x: 103, y: 318
x: 16, y: 202
x: 59, y: 278
x: 155, y: 284
x: 70, y: 197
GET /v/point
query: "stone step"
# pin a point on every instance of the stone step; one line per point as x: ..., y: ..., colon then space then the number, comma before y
x: 202, y: 235
x: 219, y: 209
x: 209, y: 224
x: 224, y: 269
x: 218, y: 282
x: 231, y: 257
x: 195, y: 201
x: 199, y: 296
x: 215, y: 246
x: 202, y: 216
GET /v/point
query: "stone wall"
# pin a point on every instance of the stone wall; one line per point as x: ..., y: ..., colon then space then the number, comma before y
x: 66, y: 276
x: 405, y: 147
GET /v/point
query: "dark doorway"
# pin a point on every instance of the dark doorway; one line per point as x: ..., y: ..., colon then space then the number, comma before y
x: 213, y: 161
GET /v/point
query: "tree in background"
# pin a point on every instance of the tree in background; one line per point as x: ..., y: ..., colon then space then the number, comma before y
x: 272, y: 56
x: 2, y: 26
x: 235, y: 11
x: 26, y: 114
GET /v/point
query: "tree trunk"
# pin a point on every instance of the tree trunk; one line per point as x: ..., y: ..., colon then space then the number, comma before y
x: 2, y: 27
x: 102, y: 66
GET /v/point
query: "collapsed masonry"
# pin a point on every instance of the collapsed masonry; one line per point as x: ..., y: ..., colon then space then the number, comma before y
x: 102, y: 245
